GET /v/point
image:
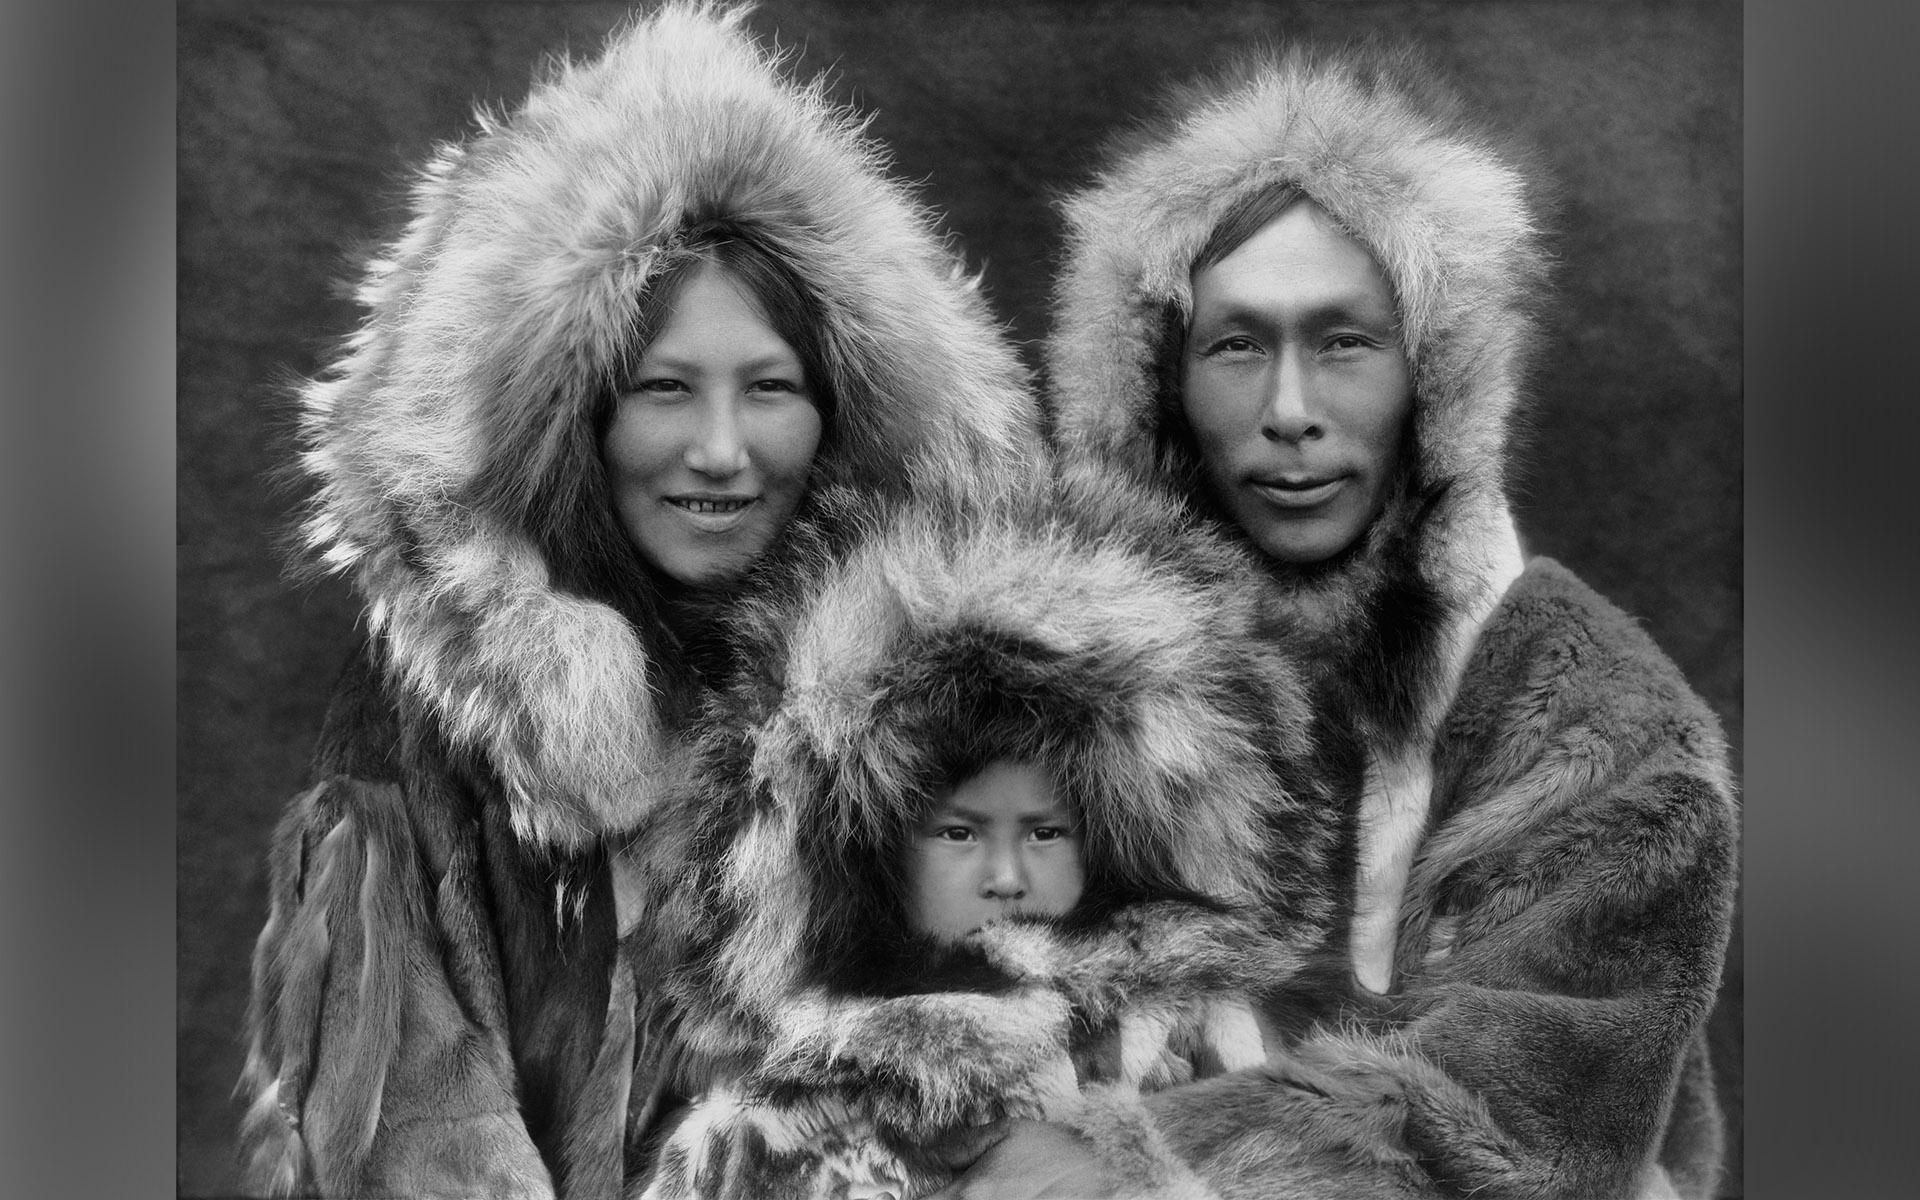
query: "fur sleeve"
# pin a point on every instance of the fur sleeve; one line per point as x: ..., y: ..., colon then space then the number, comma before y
x: 358, y: 949
x: 1559, y: 951
x: 1543, y: 1057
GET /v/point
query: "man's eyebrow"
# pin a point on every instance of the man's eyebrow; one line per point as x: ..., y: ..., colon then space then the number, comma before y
x: 1355, y: 310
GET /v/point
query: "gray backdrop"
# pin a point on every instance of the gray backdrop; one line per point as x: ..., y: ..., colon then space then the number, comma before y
x: 299, y: 124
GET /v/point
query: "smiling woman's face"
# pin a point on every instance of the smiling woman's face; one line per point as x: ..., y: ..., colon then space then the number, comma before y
x: 709, y: 447
x: 1296, y: 385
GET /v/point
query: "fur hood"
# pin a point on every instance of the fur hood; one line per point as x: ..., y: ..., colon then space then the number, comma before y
x: 496, y: 323
x: 1371, y: 139
x: 1093, y: 631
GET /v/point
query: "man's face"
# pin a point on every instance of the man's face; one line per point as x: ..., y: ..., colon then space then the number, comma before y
x: 1296, y: 385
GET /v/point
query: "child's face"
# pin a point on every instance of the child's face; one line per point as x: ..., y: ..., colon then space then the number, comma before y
x: 999, y: 843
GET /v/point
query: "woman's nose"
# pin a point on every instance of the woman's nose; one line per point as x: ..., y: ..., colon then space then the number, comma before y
x: 1287, y: 415
x: 719, y: 445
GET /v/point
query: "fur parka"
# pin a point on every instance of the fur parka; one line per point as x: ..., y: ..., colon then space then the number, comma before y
x: 1546, y: 858
x: 438, y: 1007
x: 1092, y: 631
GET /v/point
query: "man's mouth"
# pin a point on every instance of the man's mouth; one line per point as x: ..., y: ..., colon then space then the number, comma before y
x: 1299, y: 491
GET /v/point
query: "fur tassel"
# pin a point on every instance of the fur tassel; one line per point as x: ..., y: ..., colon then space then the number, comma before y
x: 330, y: 936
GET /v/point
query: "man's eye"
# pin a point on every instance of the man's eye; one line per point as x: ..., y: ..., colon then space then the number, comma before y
x: 1348, y: 341
x: 1234, y: 345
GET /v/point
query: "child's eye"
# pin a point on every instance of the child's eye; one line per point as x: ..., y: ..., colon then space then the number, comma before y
x: 1050, y: 833
x: 954, y: 833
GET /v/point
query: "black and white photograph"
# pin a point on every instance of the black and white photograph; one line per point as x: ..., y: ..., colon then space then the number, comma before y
x: 948, y: 600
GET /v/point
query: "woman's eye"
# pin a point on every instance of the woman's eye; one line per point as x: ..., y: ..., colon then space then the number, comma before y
x: 1348, y: 341
x: 775, y: 385
x: 660, y: 386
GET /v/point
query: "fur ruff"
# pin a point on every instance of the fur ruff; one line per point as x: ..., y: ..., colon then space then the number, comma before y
x: 506, y: 308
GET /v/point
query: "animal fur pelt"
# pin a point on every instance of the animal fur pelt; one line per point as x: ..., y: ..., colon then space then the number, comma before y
x: 439, y: 1008
x: 1097, y: 633
x: 500, y: 317
x: 1547, y: 826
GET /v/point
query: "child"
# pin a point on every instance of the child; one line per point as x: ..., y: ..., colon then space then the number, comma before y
x: 1028, y: 828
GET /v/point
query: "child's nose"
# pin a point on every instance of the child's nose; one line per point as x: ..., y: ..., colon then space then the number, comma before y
x: 1006, y: 876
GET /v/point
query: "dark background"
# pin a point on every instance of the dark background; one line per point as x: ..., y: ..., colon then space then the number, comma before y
x: 298, y: 126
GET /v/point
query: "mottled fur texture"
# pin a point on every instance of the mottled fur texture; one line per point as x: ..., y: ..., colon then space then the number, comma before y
x: 1093, y: 631
x: 438, y: 1008
x: 1564, y: 912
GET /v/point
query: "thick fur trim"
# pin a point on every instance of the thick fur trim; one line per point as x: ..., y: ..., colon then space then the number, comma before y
x: 1372, y: 139
x: 506, y: 309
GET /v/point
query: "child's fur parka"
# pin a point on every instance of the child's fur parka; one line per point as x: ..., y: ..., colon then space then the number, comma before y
x: 1547, y: 827
x: 1093, y: 632
x: 438, y: 1008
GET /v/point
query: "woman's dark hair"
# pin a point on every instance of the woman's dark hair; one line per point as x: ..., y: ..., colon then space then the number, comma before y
x: 565, y: 502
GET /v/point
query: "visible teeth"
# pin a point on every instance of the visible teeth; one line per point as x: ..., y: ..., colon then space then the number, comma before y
x: 713, y: 506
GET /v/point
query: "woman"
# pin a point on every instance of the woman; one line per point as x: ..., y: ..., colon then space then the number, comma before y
x: 663, y: 339
x: 1303, y: 304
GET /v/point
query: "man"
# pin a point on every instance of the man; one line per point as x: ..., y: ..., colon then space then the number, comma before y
x: 1303, y: 304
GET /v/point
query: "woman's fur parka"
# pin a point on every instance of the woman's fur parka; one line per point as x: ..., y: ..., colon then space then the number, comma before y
x: 1546, y: 856
x: 438, y: 1009
x: 1092, y: 632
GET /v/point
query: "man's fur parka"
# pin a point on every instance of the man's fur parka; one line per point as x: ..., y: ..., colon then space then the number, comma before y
x: 1092, y: 632
x: 1547, y: 828
x: 438, y: 1007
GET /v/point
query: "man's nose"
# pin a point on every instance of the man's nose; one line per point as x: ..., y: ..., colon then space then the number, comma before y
x: 719, y: 445
x: 1289, y: 415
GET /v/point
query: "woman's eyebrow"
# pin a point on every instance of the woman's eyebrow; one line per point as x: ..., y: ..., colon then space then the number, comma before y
x: 773, y: 360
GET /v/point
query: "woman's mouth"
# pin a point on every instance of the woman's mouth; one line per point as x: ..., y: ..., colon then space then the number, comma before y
x: 713, y: 514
